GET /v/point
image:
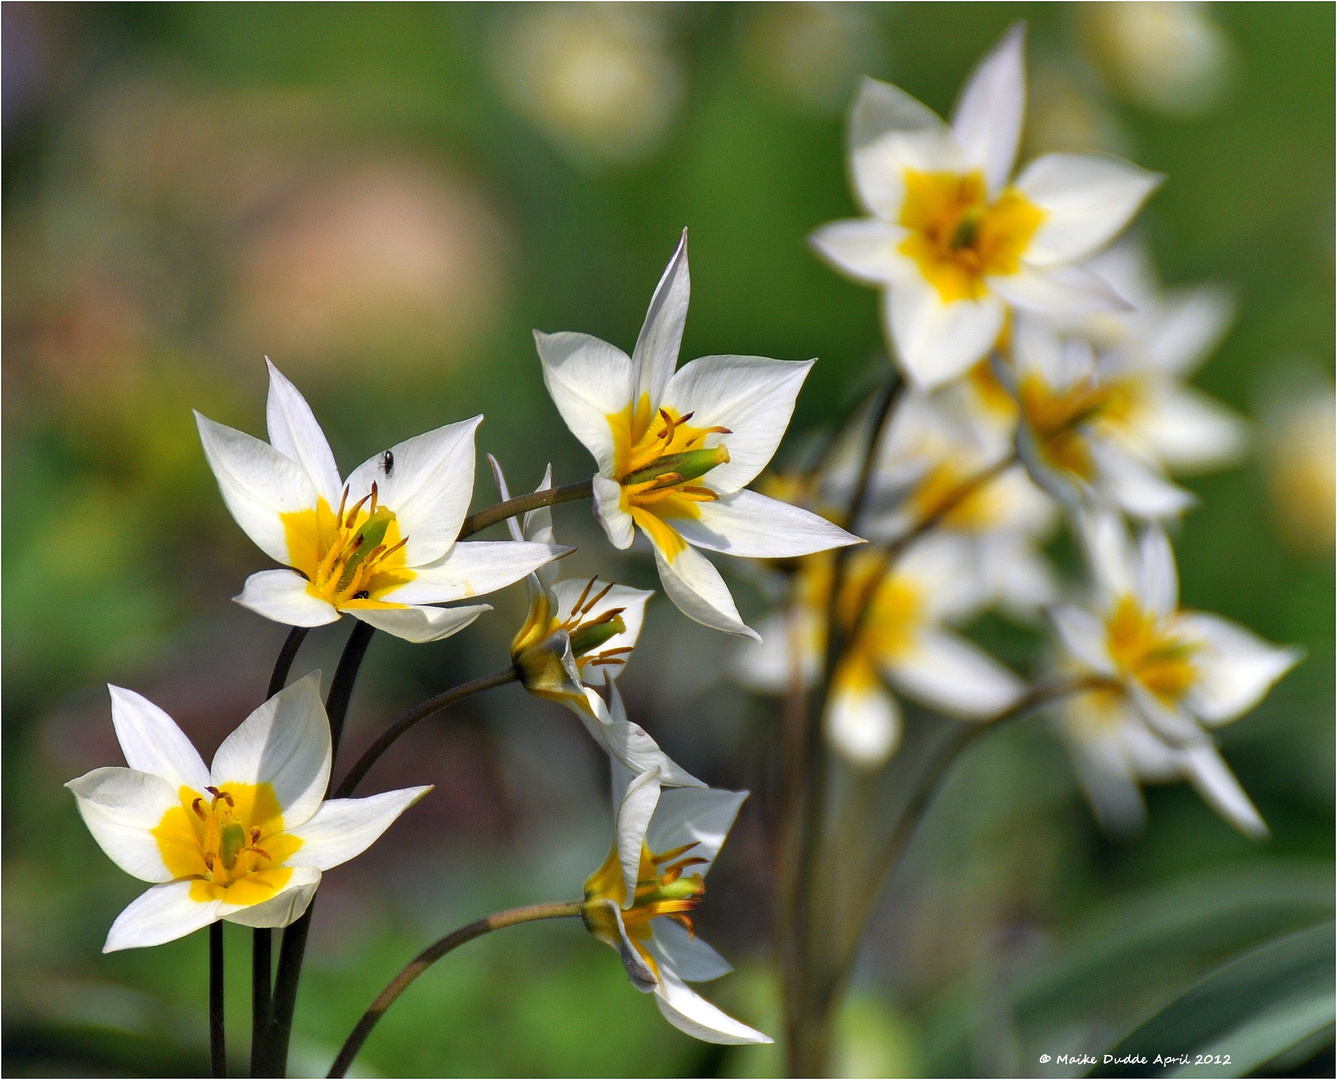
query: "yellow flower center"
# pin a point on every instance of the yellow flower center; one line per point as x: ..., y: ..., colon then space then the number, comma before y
x: 939, y: 490
x: 662, y: 888
x: 958, y: 237
x: 351, y: 559
x: 229, y: 842
x: 657, y: 456
x: 1059, y: 419
x: 1146, y: 650
x: 540, y: 666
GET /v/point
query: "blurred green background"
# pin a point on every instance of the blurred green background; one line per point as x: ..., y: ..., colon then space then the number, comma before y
x: 386, y: 199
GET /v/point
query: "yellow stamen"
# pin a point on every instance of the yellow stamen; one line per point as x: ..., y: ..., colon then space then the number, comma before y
x: 1146, y: 649
x: 352, y: 558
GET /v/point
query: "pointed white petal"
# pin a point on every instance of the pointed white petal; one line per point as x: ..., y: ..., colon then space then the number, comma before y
x: 163, y: 913
x: 1087, y: 199
x: 883, y: 109
x: 121, y: 808
x: 537, y: 524
x: 694, y: 815
x: 589, y: 381
x: 634, y: 812
x: 616, y: 522
x: 1109, y: 786
x: 656, y: 352
x: 1158, y: 578
x: 936, y: 342
x: 152, y: 743
x: 1191, y: 432
x: 863, y: 248
x: 474, y: 568
x: 1236, y: 668
x: 1057, y: 290
x: 947, y: 672
x: 752, y: 396
x: 1083, y: 635
x: 286, y: 744
x: 1136, y: 487
x: 863, y: 721
x: 420, y: 624
x: 293, y: 431
x: 698, y: 591
x: 689, y: 1012
x: 628, y: 746
x: 499, y: 478
x: 690, y: 958
x: 429, y: 488
x: 282, y: 595
x: 342, y: 829
x: 1191, y: 323
x: 1109, y: 554
x: 754, y: 526
x: 987, y: 117
x: 258, y: 484
x: 1213, y: 780
x: 281, y: 910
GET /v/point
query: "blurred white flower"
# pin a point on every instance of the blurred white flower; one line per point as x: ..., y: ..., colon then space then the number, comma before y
x: 1171, y: 57
x: 810, y: 54
x: 1167, y: 674
x: 1300, y: 415
x: 600, y: 80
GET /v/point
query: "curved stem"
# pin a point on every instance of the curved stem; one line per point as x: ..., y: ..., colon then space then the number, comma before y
x: 286, y: 656
x: 535, y: 500
x: 217, y: 1035
x: 433, y: 953
x: 412, y: 717
x: 345, y: 677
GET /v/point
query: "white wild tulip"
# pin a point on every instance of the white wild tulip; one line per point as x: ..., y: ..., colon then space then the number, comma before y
x: 1166, y: 674
x: 640, y: 901
x: 676, y: 449
x: 951, y: 239
x: 379, y: 545
x: 245, y: 839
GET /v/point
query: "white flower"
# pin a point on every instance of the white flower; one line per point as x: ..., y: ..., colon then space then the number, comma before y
x: 1071, y: 435
x: 1168, y: 673
x: 894, y: 625
x: 576, y: 637
x: 676, y: 449
x: 640, y: 901
x: 244, y: 840
x: 380, y: 545
x: 952, y: 242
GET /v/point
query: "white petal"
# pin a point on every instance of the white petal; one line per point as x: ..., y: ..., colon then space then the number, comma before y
x: 121, y: 808
x: 282, y: 595
x: 863, y: 248
x: 698, y: 591
x: 152, y: 742
x: 286, y: 744
x: 1191, y: 432
x: 690, y: 958
x: 1135, y: 486
x: 863, y: 722
x: 700, y: 816
x: 1191, y: 323
x: 628, y: 602
x: 754, y: 526
x: 1087, y: 199
x: 752, y: 396
x: 656, y: 352
x: 937, y: 342
x: 1038, y: 348
x: 258, y: 484
x: 883, y: 109
x: 616, y: 522
x: 634, y: 811
x: 627, y: 744
x: 638, y: 971
x: 537, y: 525
x: 474, y: 568
x: 282, y: 909
x: 342, y: 829
x: 1211, y: 776
x: 987, y: 117
x: 163, y: 913
x: 878, y: 167
x: 293, y: 431
x: 1057, y: 290
x: 429, y: 487
x: 1236, y: 668
x: 1109, y: 786
x: 1083, y: 635
x: 420, y: 624
x: 1158, y: 578
x: 947, y: 672
x: 689, y: 1012
x: 589, y: 381
x: 1109, y: 554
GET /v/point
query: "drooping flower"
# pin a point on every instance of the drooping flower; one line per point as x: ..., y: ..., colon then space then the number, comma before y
x: 894, y: 622
x: 952, y: 242
x: 576, y: 638
x: 676, y: 449
x: 1164, y: 675
x: 380, y: 545
x: 245, y: 839
x: 640, y: 901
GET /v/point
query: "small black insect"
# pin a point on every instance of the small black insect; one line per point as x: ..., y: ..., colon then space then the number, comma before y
x: 363, y: 595
x: 388, y: 462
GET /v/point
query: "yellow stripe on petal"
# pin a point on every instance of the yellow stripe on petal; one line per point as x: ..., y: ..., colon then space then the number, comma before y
x: 664, y: 535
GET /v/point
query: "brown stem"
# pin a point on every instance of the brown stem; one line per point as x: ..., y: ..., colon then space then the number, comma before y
x: 535, y: 500
x: 433, y: 953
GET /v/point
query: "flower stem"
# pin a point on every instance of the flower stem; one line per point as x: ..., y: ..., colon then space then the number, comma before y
x: 433, y: 953
x: 217, y: 1035
x: 535, y: 500
x: 345, y: 676
x: 412, y: 717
